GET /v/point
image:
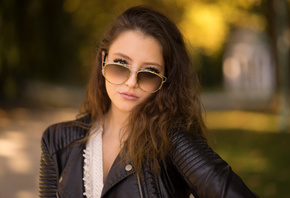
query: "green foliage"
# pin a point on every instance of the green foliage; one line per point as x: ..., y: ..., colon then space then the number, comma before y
x: 261, y: 159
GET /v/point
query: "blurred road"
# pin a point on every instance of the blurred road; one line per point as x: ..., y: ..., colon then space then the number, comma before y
x: 20, y: 134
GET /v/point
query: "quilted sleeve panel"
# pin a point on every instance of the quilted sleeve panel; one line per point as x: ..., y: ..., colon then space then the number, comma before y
x: 57, y: 142
x: 47, y: 174
x: 205, y: 172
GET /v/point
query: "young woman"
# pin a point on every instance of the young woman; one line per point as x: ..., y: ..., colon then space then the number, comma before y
x: 140, y: 133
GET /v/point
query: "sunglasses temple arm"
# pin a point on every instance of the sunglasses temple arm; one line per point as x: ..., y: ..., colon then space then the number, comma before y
x: 104, y: 59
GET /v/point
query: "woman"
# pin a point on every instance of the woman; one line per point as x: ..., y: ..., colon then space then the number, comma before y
x: 140, y: 133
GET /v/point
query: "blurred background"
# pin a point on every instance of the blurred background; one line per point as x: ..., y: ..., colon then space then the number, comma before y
x: 239, y: 47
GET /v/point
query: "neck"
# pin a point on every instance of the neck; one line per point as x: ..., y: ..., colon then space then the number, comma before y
x: 114, y: 121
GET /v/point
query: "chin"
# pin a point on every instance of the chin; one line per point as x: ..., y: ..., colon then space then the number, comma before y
x: 125, y: 108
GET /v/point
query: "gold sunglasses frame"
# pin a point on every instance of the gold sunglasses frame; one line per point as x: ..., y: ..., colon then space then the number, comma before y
x: 163, y: 78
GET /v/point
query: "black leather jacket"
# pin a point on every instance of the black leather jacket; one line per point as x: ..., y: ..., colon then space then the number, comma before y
x: 191, y: 167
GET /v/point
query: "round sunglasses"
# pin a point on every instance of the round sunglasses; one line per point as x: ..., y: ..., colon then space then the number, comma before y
x: 118, y: 73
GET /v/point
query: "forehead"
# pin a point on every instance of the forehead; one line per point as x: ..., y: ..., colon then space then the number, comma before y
x: 138, y: 46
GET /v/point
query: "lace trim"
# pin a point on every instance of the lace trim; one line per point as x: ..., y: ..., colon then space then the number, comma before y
x: 93, y: 165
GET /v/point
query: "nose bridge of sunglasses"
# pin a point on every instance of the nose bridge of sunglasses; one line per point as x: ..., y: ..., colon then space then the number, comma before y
x: 133, y: 72
x: 132, y: 78
x: 134, y: 69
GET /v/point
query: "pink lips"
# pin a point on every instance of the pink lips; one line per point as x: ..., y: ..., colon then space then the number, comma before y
x: 128, y: 96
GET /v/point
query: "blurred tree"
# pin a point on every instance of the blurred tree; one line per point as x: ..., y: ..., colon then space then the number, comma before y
x: 207, y: 25
x: 283, y: 42
x: 55, y: 41
x: 278, y: 25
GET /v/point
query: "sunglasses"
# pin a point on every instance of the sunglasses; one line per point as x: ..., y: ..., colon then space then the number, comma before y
x: 118, y: 73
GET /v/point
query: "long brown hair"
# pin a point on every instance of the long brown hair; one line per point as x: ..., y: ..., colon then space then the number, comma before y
x: 176, y: 105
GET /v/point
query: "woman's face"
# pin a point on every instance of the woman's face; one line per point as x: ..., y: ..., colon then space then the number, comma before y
x: 139, y: 51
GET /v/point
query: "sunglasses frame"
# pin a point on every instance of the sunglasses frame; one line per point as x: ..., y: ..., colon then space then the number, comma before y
x: 163, y: 78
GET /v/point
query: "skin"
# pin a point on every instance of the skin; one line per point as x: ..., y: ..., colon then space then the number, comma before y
x: 140, y: 51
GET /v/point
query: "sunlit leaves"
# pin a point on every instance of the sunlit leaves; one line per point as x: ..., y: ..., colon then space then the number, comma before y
x: 206, y: 24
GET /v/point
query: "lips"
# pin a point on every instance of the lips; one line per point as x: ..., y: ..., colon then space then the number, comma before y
x: 129, y: 96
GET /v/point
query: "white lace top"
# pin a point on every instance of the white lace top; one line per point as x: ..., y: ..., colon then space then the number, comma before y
x: 93, y: 165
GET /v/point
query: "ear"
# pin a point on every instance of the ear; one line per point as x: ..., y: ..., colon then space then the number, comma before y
x: 103, y: 55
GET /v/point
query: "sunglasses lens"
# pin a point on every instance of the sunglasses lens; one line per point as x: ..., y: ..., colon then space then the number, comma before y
x: 116, y: 74
x: 148, y: 81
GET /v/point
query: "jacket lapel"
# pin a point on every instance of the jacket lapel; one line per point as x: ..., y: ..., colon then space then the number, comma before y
x: 117, y: 173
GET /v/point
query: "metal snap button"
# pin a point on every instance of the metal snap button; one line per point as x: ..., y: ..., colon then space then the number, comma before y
x: 128, y: 167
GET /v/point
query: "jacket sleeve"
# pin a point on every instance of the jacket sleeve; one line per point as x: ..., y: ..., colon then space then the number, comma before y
x: 47, y: 174
x: 205, y: 172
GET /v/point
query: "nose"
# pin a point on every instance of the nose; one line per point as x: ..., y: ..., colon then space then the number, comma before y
x: 132, y: 82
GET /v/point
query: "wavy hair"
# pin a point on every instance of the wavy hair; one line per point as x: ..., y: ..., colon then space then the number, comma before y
x: 176, y: 105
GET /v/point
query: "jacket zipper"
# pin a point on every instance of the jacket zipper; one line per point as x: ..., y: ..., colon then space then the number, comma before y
x: 139, y: 185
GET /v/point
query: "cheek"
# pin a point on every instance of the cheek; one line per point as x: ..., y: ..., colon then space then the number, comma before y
x: 145, y: 96
x: 110, y: 89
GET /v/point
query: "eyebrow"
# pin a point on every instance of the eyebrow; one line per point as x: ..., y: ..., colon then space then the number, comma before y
x: 123, y: 55
x: 128, y: 58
